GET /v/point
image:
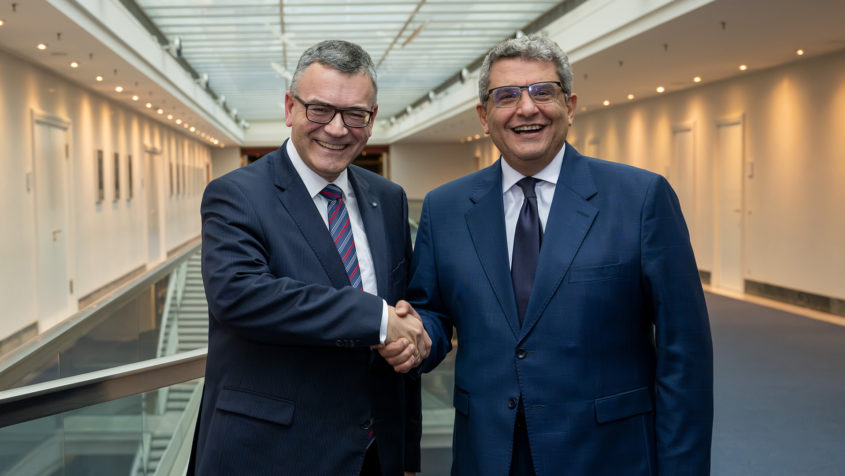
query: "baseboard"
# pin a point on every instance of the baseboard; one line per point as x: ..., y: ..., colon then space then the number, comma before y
x: 102, y: 291
x: 816, y: 302
x: 17, y: 338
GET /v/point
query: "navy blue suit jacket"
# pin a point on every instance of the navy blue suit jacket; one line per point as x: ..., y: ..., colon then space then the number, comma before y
x: 614, y: 359
x: 291, y: 384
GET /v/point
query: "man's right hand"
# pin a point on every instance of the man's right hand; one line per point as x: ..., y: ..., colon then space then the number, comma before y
x: 407, y: 342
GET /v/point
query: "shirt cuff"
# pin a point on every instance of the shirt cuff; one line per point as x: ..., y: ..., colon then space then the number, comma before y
x: 382, y: 332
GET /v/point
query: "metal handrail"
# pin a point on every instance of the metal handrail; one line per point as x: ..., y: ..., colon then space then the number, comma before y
x: 41, y: 350
x: 61, y: 395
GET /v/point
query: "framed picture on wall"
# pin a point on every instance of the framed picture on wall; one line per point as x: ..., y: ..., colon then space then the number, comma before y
x: 101, y: 179
x: 116, y: 176
x: 129, y: 188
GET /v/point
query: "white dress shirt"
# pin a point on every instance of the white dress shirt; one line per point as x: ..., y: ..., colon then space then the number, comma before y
x: 314, y: 184
x: 513, y: 197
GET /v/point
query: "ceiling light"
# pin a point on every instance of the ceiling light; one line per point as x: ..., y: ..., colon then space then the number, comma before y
x: 799, y: 52
x: 660, y: 89
x: 630, y: 96
x: 478, y: 136
x: 74, y: 64
x: 41, y: 46
x: 696, y: 79
x: 178, y: 121
x: 170, y: 117
x: 192, y: 129
x: 135, y: 97
x: 185, y: 125
x: 469, y: 138
x: 99, y: 78
x: 118, y: 89
x: 160, y: 111
x: 149, y: 105
x: 743, y: 67
x: 2, y: 22
x: 605, y: 103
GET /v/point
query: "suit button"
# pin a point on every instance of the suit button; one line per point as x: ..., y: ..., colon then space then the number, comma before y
x: 511, y: 403
x: 367, y: 424
x: 521, y: 353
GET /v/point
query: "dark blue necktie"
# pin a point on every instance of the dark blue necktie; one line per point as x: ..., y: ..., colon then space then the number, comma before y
x: 341, y: 230
x: 526, y: 246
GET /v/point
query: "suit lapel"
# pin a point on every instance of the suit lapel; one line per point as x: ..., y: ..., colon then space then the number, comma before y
x: 570, y: 218
x: 486, y: 225
x: 300, y: 206
x: 374, y: 226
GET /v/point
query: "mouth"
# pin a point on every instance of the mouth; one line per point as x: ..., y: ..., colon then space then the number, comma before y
x: 330, y: 146
x: 528, y: 129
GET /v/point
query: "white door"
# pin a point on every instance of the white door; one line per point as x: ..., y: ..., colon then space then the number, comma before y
x: 729, y: 207
x: 153, y: 216
x: 51, y: 187
x: 680, y: 173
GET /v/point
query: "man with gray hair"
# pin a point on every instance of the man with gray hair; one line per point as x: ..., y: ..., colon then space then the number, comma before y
x: 583, y: 338
x: 304, y: 257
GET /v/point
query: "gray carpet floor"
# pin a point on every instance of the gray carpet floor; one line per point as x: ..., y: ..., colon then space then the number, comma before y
x: 779, y: 394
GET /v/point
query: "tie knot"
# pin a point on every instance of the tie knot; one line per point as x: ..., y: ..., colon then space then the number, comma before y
x: 527, y: 186
x: 332, y: 192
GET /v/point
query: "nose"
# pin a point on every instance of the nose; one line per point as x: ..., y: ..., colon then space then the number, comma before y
x: 336, y: 127
x: 526, y: 106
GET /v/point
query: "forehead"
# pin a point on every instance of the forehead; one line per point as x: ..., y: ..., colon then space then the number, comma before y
x: 519, y: 72
x: 321, y: 83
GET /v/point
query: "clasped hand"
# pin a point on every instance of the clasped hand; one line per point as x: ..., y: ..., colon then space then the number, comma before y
x: 407, y: 342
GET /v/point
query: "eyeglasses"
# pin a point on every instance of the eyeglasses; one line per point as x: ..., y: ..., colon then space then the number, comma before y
x: 323, y: 114
x: 541, y: 93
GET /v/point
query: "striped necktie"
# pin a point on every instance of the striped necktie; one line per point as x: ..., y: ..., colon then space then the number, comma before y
x: 341, y: 230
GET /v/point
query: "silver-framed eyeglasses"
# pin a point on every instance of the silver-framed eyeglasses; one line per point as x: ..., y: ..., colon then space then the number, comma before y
x: 324, y: 113
x: 543, y: 92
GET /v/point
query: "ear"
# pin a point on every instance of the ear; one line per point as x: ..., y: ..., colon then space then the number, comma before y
x: 289, y: 109
x: 571, y: 105
x: 482, y: 116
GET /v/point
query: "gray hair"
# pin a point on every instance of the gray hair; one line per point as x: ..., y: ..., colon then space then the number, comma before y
x: 339, y: 55
x: 530, y: 47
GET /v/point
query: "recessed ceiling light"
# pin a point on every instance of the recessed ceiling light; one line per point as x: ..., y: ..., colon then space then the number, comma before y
x: 135, y: 97
x: 696, y: 79
x: 99, y: 78
x: 469, y: 138
x: 605, y: 103
x: 149, y: 105
x: 118, y: 89
x: 192, y: 129
x: 2, y: 22
x: 178, y: 121
x: 41, y: 46
x: 799, y: 52
x: 743, y: 67
x: 74, y: 64
x: 660, y: 89
x: 630, y: 96
x: 185, y: 125
x: 160, y: 111
x: 477, y: 136
x: 170, y: 117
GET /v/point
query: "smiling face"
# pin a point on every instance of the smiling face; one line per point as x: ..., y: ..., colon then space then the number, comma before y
x: 529, y: 135
x: 329, y: 148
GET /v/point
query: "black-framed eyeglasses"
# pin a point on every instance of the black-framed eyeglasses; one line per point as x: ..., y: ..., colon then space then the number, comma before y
x: 542, y: 93
x: 324, y: 113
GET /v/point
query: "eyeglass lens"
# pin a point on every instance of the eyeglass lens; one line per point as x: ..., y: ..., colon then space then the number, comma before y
x: 508, y: 96
x: 324, y: 114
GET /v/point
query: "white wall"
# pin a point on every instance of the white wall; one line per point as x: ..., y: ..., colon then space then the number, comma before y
x: 794, y: 115
x: 418, y: 168
x: 224, y: 160
x: 107, y: 239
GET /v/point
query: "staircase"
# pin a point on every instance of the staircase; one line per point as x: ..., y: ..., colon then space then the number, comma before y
x: 190, y: 325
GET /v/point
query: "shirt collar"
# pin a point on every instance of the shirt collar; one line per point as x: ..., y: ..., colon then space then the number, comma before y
x: 313, y: 182
x: 550, y: 172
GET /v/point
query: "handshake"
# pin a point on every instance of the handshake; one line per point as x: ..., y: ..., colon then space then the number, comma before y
x: 407, y: 342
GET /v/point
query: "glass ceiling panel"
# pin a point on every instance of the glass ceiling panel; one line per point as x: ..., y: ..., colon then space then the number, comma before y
x: 247, y: 48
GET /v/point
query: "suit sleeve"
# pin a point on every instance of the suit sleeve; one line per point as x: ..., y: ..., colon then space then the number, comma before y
x: 684, y: 372
x: 424, y: 292
x: 245, y: 296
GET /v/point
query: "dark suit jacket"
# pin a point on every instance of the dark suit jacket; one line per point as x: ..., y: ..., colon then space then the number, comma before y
x: 614, y: 360
x: 291, y: 385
